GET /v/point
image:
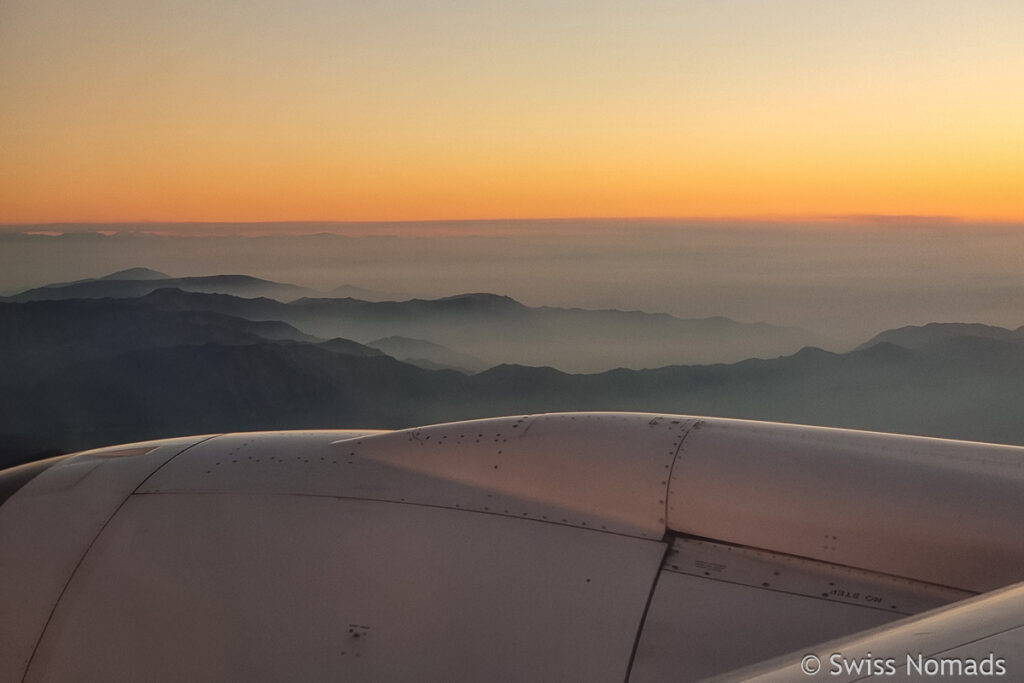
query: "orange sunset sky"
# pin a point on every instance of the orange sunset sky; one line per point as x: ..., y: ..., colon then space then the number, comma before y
x: 131, y: 110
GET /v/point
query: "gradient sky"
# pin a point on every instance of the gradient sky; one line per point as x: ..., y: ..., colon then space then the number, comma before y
x: 128, y: 110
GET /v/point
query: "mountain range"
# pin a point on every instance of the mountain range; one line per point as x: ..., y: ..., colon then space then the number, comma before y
x: 88, y: 372
x: 497, y: 329
x: 136, y: 282
x: 922, y: 336
x: 476, y: 330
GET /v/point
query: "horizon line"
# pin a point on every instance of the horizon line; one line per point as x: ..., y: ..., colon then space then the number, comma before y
x: 742, y: 218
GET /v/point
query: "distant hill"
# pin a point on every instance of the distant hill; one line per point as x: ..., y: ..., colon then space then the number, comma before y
x: 137, y: 274
x: 45, y: 344
x: 427, y: 354
x: 497, y: 329
x: 353, y: 292
x: 921, y: 336
x: 141, y: 281
x: 43, y: 338
x: 129, y: 283
x: 350, y: 348
x: 210, y: 388
x: 129, y: 274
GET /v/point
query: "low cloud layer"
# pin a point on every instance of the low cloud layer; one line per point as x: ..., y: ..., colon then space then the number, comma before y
x: 844, y: 280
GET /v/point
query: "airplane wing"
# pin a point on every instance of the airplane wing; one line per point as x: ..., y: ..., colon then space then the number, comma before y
x: 561, y: 547
x: 982, y: 637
